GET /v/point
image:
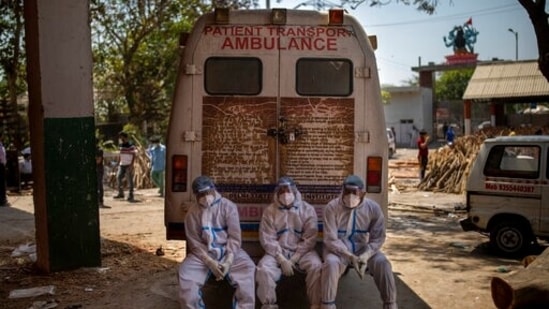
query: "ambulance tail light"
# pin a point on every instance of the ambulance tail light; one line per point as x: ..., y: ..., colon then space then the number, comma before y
x: 335, y: 16
x: 179, y: 173
x: 374, y: 174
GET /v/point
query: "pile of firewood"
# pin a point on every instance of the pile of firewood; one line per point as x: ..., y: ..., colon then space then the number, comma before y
x: 449, y: 166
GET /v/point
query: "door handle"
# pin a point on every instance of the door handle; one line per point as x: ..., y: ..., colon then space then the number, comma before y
x: 284, y: 134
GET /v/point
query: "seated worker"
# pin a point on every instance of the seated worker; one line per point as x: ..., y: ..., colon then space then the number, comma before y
x: 288, y: 233
x: 212, y: 226
x: 354, y: 231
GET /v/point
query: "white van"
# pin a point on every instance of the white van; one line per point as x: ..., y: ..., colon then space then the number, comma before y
x: 508, y: 192
x: 267, y: 93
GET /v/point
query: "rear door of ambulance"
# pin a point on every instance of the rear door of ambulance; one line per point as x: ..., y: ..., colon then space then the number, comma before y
x: 276, y: 100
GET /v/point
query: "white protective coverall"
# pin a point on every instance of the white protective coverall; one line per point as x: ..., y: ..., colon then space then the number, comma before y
x: 355, y: 231
x: 290, y: 231
x: 214, y: 232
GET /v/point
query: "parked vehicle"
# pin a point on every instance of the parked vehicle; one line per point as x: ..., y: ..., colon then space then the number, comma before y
x: 508, y: 192
x: 267, y: 93
x: 392, y: 142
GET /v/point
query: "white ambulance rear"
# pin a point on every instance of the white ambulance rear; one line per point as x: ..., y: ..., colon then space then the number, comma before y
x: 269, y: 93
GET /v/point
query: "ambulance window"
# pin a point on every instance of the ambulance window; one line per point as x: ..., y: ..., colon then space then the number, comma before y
x: 233, y: 76
x: 513, y: 162
x: 324, y: 77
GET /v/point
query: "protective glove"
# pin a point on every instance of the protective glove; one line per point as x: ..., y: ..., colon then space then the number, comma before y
x: 364, y: 257
x: 285, y: 265
x: 214, y: 267
x: 363, y: 262
x: 226, y: 264
x: 353, y: 259
x: 295, y: 259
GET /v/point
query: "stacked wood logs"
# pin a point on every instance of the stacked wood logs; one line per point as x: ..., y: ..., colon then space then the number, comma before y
x: 449, y: 166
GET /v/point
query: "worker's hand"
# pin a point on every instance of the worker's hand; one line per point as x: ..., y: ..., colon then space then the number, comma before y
x: 352, y: 259
x: 361, y: 270
x: 364, y: 257
x: 285, y: 265
x: 295, y: 259
x: 226, y: 264
x: 214, y: 267
x: 363, y: 263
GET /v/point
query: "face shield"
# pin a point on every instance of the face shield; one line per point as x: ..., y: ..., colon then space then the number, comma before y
x: 285, y: 192
x: 206, y: 198
x: 204, y: 191
x: 352, y: 196
x: 353, y: 191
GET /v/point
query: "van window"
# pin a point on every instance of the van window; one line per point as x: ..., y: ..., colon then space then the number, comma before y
x: 233, y: 76
x: 513, y: 162
x: 324, y: 77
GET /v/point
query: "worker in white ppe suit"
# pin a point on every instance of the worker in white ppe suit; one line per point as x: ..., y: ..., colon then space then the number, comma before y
x: 354, y: 231
x: 212, y: 227
x: 288, y: 234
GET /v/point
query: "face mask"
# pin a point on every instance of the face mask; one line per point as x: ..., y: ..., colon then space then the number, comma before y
x: 286, y: 199
x: 206, y: 201
x: 351, y: 200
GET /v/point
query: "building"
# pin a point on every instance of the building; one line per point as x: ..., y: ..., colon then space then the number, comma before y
x: 409, y: 110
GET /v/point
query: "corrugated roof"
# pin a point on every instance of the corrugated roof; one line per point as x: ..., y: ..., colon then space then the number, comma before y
x: 507, y: 80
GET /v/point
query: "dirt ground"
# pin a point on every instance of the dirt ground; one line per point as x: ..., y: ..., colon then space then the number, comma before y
x: 436, y: 265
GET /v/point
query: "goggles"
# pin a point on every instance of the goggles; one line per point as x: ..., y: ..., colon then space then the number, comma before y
x: 350, y: 189
x: 204, y: 192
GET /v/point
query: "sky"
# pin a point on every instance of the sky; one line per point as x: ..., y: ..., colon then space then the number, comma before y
x: 406, y: 35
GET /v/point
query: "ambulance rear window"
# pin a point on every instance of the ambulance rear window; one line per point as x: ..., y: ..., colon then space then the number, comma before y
x: 324, y: 77
x: 521, y: 161
x: 233, y: 76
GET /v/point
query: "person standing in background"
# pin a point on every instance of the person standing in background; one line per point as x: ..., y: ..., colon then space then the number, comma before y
x: 100, y: 169
x: 125, y: 166
x: 25, y: 168
x: 423, y: 153
x: 157, y: 155
x: 3, y: 197
x: 450, y: 135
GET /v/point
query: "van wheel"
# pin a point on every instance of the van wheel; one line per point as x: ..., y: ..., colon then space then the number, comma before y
x: 511, y: 238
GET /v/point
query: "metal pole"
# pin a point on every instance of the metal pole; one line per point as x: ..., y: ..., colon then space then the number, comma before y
x: 516, y: 42
x: 516, y: 46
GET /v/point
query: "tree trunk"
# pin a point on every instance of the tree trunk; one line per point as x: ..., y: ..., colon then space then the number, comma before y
x: 536, y: 11
x: 527, y: 288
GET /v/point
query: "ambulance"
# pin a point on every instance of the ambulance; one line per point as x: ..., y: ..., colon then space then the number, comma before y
x: 508, y: 193
x: 262, y: 94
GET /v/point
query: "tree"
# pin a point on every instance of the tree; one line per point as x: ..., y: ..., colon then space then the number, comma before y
x: 135, y: 50
x: 451, y: 85
x: 540, y: 20
x: 12, y: 57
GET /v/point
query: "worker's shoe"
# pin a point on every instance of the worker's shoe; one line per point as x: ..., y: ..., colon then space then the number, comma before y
x: 131, y: 199
x: 119, y: 196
